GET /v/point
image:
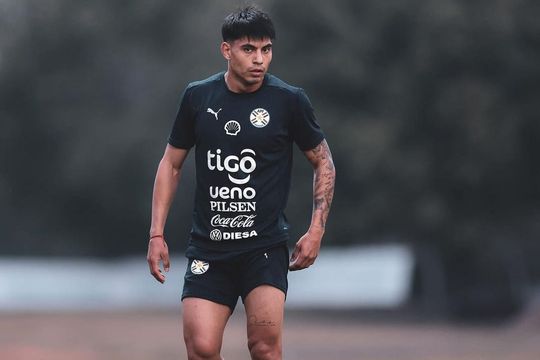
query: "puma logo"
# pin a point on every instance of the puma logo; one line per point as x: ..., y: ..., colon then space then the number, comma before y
x: 215, y: 113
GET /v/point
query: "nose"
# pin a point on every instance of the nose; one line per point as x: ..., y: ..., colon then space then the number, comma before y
x: 258, y: 58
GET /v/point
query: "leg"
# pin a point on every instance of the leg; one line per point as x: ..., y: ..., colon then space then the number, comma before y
x: 204, y: 324
x: 264, y: 312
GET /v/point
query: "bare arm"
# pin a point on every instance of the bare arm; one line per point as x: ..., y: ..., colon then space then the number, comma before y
x: 307, y: 248
x: 167, y: 178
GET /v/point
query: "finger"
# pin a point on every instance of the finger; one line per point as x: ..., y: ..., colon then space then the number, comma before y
x: 295, y: 253
x: 297, y: 263
x: 166, y: 262
x: 296, y: 266
x: 155, y: 271
x: 302, y: 261
x: 151, y: 265
x: 159, y: 276
x: 293, y: 264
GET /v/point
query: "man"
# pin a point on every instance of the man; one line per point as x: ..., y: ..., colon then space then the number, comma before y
x: 242, y: 123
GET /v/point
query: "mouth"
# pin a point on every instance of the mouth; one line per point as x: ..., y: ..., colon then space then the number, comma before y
x: 256, y: 71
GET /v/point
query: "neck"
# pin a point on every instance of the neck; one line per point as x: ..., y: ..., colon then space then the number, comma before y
x: 238, y: 86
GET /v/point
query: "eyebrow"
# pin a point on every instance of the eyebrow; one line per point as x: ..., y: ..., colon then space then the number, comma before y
x: 251, y: 46
x: 247, y: 46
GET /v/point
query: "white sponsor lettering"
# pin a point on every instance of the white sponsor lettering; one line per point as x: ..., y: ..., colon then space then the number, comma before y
x: 234, y: 206
x: 239, y: 235
x: 232, y: 193
x: 231, y: 235
x: 239, y: 221
x: 233, y: 164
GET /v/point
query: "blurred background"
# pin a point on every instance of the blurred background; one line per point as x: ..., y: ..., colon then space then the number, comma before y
x: 431, y: 109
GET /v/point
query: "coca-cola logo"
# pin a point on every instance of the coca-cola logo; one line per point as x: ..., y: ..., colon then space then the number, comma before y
x: 239, y: 221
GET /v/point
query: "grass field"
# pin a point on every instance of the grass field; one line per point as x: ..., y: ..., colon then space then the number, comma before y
x: 146, y: 335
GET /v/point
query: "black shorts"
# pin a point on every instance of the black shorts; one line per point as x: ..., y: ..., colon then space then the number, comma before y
x: 224, y: 280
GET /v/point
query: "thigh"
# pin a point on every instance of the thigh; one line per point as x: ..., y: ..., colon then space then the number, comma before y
x: 264, y: 311
x: 204, y: 323
x: 265, y: 267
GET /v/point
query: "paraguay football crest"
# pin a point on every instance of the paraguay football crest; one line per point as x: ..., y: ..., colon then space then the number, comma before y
x: 199, y: 267
x: 259, y: 117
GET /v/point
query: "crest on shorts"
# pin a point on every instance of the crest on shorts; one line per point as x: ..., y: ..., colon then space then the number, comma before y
x: 199, y: 267
x: 259, y: 118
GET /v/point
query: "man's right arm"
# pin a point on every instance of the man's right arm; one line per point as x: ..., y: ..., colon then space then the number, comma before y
x: 167, y: 178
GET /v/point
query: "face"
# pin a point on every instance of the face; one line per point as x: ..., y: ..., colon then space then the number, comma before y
x: 248, y: 61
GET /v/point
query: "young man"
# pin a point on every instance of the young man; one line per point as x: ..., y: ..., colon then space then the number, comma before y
x: 242, y: 123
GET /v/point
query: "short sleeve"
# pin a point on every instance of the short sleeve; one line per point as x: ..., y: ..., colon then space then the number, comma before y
x: 307, y: 133
x: 183, y: 132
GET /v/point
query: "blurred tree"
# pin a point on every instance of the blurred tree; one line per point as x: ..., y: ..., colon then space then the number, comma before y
x: 430, y: 108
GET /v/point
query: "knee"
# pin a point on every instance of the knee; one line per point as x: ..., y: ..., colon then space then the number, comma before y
x: 267, y: 349
x: 199, y: 348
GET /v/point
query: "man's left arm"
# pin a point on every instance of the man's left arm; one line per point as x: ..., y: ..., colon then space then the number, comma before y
x: 324, y: 175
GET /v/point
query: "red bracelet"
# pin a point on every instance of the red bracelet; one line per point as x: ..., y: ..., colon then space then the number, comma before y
x: 155, y: 236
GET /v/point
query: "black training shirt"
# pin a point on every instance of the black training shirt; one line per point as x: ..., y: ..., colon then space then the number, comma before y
x: 243, y: 156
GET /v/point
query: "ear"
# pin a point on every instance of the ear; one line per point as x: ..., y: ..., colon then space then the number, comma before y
x: 226, y: 50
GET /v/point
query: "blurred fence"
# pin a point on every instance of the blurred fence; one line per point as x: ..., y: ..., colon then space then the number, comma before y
x: 377, y: 277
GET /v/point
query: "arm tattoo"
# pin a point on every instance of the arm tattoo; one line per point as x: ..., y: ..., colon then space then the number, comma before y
x: 323, y: 182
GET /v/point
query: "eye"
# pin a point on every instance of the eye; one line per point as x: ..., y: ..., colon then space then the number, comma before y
x: 248, y: 50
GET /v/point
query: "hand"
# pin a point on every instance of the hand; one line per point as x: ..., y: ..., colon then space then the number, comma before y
x: 306, y: 250
x: 158, y: 251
